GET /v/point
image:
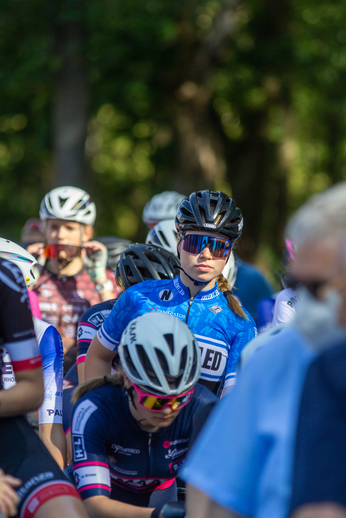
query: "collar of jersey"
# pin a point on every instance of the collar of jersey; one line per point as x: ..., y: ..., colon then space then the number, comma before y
x: 202, y: 295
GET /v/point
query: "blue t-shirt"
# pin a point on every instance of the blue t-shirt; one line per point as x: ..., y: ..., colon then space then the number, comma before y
x: 320, y: 456
x: 243, y: 457
x: 220, y: 333
x: 250, y: 286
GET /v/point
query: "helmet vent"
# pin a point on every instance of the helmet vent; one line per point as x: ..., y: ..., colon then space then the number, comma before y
x: 62, y: 201
x: 170, y: 340
x: 129, y: 363
x: 146, y: 363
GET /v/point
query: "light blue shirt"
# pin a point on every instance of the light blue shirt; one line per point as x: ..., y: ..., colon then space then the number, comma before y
x: 243, y: 458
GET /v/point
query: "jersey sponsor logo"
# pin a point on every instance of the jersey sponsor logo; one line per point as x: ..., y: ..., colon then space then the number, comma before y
x: 213, y: 359
x: 174, y: 467
x: 162, y: 310
x: 7, y: 368
x: 34, y: 481
x: 216, y: 309
x: 166, y: 295
x: 211, y: 295
x: 293, y: 301
x: 85, y: 332
x: 138, y: 483
x: 79, y: 452
x: 168, y: 444
x: 92, y: 474
x: 177, y: 286
x: 54, y: 412
x: 125, y: 451
x: 81, y: 416
x: 172, y: 454
x: 98, y: 318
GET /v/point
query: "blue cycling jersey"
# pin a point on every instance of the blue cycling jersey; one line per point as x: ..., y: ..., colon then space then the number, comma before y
x: 114, y: 457
x: 220, y: 333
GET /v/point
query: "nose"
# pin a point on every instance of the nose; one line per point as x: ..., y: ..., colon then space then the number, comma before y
x: 206, y: 253
x: 167, y: 411
x: 61, y: 233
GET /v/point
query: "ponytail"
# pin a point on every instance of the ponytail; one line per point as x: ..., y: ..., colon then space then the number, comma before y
x: 114, y: 379
x: 233, y: 304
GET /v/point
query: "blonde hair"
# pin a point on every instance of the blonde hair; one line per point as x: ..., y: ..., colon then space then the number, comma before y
x: 233, y: 304
x: 112, y: 379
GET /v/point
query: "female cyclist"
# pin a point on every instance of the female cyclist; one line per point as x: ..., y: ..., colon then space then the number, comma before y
x: 131, y: 431
x: 208, y: 223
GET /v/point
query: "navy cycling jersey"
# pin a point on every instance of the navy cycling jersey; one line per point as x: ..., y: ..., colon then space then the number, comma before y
x: 111, y: 453
x: 220, y: 333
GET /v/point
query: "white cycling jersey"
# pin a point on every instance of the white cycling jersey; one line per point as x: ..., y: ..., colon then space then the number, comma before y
x: 52, y: 366
x: 285, y: 307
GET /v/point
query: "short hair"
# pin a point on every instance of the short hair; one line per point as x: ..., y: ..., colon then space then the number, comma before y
x: 322, y: 217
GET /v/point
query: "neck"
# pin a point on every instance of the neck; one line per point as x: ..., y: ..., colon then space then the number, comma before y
x: 69, y: 270
x: 194, y: 290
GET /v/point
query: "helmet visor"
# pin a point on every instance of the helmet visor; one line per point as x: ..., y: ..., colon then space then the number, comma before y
x: 196, y: 243
x: 158, y: 403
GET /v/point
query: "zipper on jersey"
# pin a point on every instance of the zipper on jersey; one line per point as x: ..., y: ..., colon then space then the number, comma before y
x: 188, y: 309
x: 149, y: 454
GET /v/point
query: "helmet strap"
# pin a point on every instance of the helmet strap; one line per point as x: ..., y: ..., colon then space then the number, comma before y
x: 196, y: 283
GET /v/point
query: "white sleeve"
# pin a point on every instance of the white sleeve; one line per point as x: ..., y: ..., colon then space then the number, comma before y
x: 284, y: 308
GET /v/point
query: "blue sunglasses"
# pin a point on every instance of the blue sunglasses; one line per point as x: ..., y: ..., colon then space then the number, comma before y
x: 196, y: 243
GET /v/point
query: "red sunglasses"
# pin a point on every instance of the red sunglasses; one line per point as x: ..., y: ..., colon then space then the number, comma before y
x: 158, y: 403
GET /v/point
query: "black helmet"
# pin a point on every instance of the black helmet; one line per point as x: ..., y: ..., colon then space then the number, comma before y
x: 210, y: 210
x: 145, y: 263
x: 115, y: 246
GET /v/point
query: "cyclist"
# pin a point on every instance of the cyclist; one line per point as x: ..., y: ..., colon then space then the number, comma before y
x: 44, y: 490
x: 65, y: 288
x: 208, y: 223
x: 137, y: 264
x: 161, y: 206
x: 131, y: 431
x: 50, y: 412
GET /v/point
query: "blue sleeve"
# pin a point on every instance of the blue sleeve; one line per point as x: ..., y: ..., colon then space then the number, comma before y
x: 52, y: 365
x: 88, y: 430
x: 242, y: 338
x: 224, y: 463
x: 122, y: 313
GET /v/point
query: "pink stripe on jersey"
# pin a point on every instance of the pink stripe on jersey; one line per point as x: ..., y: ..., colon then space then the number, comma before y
x: 27, y: 365
x: 94, y: 486
x: 81, y: 358
x: 86, y: 324
x: 166, y: 484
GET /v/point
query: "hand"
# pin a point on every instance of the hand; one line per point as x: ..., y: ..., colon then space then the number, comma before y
x: 36, y: 249
x: 8, y: 497
x: 96, y: 260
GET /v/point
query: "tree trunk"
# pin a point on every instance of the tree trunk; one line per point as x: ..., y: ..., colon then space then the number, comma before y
x: 70, y: 104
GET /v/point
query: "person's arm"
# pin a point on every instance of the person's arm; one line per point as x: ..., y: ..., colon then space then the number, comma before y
x: 199, y: 505
x: 98, y: 360
x: 26, y: 396
x: 321, y: 510
x: 53, y: 437
x: 103, y: 507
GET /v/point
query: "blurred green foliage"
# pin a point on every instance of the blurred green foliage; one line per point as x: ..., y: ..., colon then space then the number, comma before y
x: 275, y: 101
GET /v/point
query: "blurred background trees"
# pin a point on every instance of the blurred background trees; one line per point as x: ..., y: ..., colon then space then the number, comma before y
x: 127, y: 99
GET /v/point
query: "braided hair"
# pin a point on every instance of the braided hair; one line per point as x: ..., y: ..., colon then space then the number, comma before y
x: 233, y: 304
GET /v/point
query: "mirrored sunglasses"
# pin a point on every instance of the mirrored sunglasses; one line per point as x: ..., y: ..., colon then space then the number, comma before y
x: 71, y: 251
x: 159, y: 403
x: 196, y: 243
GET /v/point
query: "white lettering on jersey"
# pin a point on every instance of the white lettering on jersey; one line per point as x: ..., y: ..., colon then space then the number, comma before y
x: 81, y: 416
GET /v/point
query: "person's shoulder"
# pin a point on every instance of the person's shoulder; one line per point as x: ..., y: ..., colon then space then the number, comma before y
x: 146, y: 287
x: 330, y: 366
x: 287, y: 295
x: 11, y: 275
x: 202, y: 395
x: 99, y: 308
x: 104, y: 397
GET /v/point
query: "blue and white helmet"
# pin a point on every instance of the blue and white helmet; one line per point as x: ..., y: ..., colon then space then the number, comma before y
x: 18, y: 255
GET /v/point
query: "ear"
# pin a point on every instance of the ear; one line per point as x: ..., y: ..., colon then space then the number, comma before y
x: 87, y: 233
x: 127, y: 381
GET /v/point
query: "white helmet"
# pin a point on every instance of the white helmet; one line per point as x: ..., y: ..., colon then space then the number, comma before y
x: 159, y: 352
x: 69, y: 203
x: 164, y: 234
x: 162, y: 206
x: 230, y: 271
x: 18, y: 255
